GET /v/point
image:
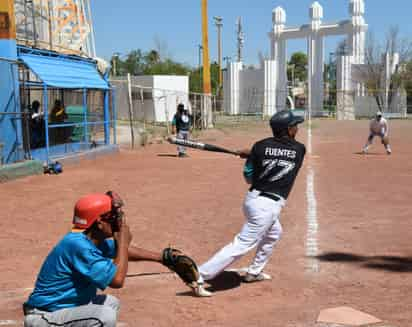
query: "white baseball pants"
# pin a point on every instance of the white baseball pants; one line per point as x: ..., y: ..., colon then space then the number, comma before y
x: 101, y: 312
x: 262, y: 230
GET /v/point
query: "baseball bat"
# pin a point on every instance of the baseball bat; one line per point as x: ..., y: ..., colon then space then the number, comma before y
x: 200, y: 146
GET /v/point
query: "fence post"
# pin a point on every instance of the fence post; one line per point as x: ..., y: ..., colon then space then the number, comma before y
x: 86, y: 136
x: 166, y: 112
x: 114, y: 115
x: 106, y: 118
x: 46, y: 120
x: 129, y: 89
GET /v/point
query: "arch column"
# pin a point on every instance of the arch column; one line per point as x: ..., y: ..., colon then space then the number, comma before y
x: 278, y: 56
x: 315, y: 60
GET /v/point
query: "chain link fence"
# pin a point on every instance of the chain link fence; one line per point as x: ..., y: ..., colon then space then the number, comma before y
x: 145, y: 108
x: 336, y: 104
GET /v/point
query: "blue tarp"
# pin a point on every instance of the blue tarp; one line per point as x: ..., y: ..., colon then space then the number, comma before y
x: 65, y: 73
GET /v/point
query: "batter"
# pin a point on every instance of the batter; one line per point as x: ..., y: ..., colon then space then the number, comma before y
x: 271, y: 168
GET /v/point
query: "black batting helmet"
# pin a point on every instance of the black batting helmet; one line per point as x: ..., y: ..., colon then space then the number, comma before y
x: 283, y: 119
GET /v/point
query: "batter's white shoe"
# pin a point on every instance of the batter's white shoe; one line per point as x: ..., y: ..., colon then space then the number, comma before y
x: 249, y: 278
x: 200, y: 291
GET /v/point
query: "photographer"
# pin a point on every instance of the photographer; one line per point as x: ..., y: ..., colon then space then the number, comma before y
x: 94, y: 255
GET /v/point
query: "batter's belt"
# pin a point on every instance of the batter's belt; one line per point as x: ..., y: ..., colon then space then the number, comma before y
x: 268, y: 195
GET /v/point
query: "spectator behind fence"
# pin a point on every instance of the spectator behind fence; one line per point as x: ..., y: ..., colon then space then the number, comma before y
x: 58, y: 115
x: 36, y: 125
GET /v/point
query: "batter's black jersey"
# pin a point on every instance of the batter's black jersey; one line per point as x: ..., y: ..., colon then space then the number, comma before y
x: 274, y: 164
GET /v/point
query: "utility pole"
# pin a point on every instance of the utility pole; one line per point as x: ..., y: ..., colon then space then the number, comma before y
x: 219, y: 24
x: 207, y: 112
x: 115, y: 60
x: 206, y: 62
x: 200, y: 67
x: 240, y: 39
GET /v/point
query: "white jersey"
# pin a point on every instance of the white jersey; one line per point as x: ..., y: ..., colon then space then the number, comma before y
x: 379, y: 127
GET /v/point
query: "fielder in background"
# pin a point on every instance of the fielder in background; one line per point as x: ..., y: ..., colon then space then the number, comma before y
x: 182, y: 126
x: 271, y: 168
x: 94, y: 255
x: 378, y: 127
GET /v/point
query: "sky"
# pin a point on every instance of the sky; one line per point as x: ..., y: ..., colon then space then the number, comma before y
x: 175, y: 26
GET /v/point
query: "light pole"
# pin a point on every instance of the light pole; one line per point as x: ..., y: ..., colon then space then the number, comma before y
x: 200, y: 67
x: 219, y: 24
x: 205, y: 43
x: 116, y: 56
x: 227, y: 59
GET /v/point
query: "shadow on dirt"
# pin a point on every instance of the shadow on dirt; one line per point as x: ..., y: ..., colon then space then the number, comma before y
x: 167, y: 155
x: 388, y: 263
x: 370, y: 153
x: 223, y: 282
x: 149, y: 274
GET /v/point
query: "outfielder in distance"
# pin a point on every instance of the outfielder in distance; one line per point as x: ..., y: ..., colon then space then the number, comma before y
x: 378, y: 126
x: 271, y: 168
x: 93, y: 256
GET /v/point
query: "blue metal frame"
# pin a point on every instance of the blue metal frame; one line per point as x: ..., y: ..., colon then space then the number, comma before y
x: 46, y: 120
x: 86, y: 136
x: 41, y: 85
x: 106, y: 118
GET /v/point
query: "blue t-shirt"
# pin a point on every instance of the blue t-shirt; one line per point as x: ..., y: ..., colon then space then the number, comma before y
x: 72, y: 273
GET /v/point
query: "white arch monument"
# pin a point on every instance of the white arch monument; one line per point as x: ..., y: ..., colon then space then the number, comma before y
x: 273, y: 76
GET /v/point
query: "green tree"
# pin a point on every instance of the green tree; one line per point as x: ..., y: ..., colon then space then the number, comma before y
x: 373, y: 72
x: 138, y: 62
x: 134, y: 63
x: 297, y: 66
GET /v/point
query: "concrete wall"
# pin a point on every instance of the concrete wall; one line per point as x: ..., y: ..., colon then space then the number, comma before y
x: 251, y: 86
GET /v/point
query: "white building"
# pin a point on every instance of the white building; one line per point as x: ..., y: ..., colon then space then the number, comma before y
x: 154, y: 97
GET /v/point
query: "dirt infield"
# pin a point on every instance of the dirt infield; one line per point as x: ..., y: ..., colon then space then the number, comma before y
x: 362, y: 235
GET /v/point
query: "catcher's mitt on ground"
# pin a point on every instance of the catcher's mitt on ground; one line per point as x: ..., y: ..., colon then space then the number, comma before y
x: 182, y: 265
x: 385, y: 140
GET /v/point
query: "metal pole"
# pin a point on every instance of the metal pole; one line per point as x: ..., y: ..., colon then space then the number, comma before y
x: 219, y: 24
x: 200, y: 67
x: 114, y: 115
x: 86, y: 136
x: 50, y: 24
x: 46, y: 120
x: 129, y: 87
x: 106, y: 118
x: 205, y: 41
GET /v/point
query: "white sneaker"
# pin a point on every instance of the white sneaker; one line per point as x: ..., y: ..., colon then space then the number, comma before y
x: 365, y: 151
x: 200, y: 291
x: 388, y: 151
x: 250, y: 278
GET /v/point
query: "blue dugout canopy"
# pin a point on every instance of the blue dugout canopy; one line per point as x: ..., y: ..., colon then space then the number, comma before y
x: 64, y: 73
